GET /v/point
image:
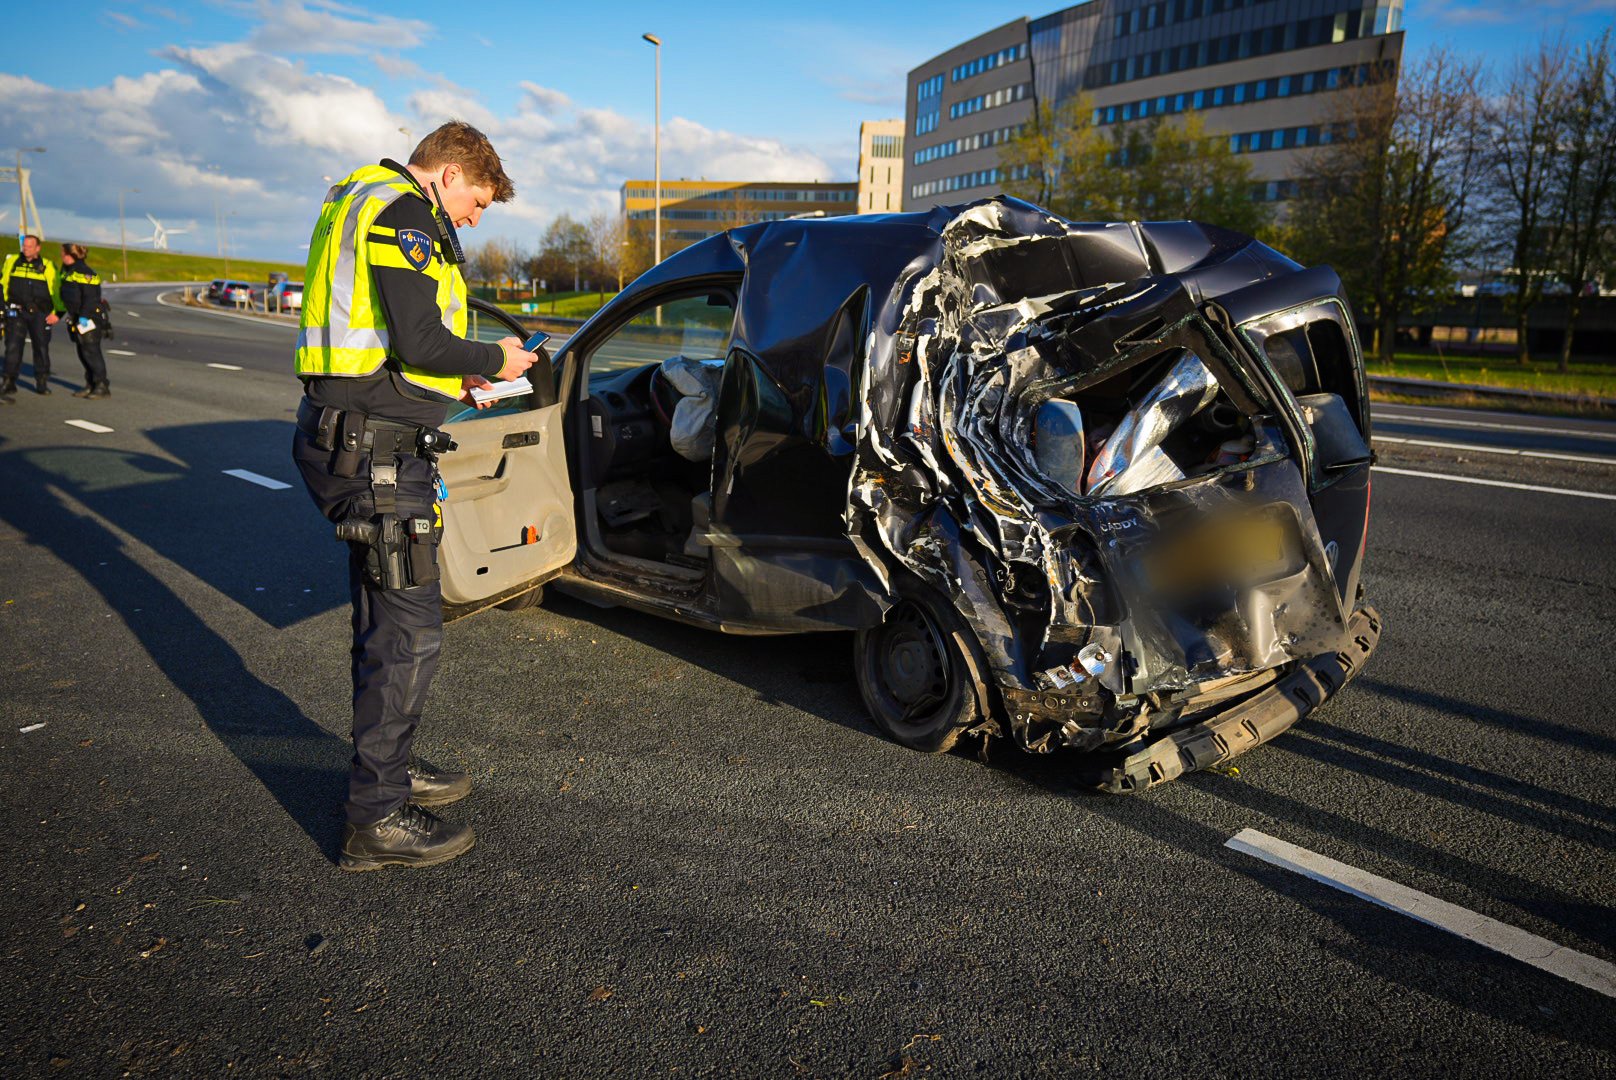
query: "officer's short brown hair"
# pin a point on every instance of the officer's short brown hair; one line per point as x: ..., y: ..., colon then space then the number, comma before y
x: 458, y: 143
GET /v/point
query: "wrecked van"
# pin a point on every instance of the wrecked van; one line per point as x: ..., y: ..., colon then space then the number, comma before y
x: 1100, y: 488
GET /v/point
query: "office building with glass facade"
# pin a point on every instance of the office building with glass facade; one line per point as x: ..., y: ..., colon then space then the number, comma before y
x: 693, y: 210
x: 1261, y: 73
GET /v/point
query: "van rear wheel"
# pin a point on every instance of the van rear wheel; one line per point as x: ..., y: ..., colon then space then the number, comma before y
x: 912, y: 675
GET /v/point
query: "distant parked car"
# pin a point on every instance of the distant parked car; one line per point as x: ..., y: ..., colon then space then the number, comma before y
x: 234, y: 292
x: 214, y: 288
x: 286, y: 296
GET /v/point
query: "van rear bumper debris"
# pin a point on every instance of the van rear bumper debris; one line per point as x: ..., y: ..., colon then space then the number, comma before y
x: 1251, y: 723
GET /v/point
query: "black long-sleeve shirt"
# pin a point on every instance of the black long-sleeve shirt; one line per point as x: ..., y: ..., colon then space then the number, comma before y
x: 416, y: 334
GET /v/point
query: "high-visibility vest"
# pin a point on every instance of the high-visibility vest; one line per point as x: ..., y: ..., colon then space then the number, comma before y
x: 18, y: 270
x: 344, y: 329
x: 79, y: 277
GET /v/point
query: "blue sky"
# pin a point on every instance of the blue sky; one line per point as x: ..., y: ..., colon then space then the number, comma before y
x: 251, y: 102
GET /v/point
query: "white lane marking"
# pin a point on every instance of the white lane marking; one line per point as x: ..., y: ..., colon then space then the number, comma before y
x: 120, y: 352
x: 99, y: 429
x: 1540, y: 952
x: 1549, y: 454
x: 1579, y: 433
x: 133, y: 314
x: 1494, y: 483
x: 30, y: 727
x: 225, y: 367
x: 254, y: 478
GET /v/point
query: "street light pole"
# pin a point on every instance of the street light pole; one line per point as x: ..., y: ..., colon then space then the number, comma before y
x: 123, y: 237
x: 657, y: 143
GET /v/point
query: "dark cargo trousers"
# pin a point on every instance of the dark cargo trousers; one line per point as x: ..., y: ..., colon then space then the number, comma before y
x: 95, y: 365
x: 397, y: 634
x: 31, y: 323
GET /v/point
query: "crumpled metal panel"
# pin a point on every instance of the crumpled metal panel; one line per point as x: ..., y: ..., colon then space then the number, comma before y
x: 884, y: 386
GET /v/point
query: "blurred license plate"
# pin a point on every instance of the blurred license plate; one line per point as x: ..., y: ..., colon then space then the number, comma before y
x: 1229, y: 551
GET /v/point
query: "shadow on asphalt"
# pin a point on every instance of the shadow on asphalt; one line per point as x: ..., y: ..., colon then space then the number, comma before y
x: 302, y: 765
x: 809, y: 672
x: 1387, y: 947
x: 813, y: 673
x: 1514, y: 723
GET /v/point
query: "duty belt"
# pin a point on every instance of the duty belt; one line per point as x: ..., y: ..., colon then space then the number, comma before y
x: 352, y: 435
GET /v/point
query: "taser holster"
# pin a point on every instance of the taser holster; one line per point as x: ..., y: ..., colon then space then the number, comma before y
x: 399, y: 551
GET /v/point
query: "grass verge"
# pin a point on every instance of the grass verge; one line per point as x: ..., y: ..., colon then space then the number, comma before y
x: 148, y: 265
x: 1541, y: 375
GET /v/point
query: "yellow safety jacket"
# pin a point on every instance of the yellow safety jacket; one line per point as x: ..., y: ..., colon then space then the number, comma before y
x: 344, y: 329
x: 17, y: 270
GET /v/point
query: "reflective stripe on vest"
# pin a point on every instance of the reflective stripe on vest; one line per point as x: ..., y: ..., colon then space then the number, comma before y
x: 344, y: 329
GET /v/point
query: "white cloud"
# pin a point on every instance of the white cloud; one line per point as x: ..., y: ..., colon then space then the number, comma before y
x: 543, y: 98
x: 323, y: 26
x: 255, y: 132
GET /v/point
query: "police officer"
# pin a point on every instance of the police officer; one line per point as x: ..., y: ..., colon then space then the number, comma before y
x: 86, y: 322
x: 382, y: 353
x: 33, y: 305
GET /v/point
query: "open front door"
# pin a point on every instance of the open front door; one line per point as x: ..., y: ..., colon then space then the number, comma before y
x: 508, y: 520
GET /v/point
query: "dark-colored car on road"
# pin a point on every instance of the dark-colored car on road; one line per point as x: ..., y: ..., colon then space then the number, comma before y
x: 1096, y: 487
x: 234, y: 292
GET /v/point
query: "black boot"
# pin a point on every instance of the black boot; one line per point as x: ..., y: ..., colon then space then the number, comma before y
x: 409, y: 836
x: 428, y: 788
x: 42, y: 385
x: 8, y: 391
x: 99, y: 390
x: 85, y: 391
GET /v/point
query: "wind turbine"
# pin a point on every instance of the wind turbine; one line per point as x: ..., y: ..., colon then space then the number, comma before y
x: 159, y: 237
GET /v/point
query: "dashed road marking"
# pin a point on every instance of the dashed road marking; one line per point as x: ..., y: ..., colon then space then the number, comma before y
x: 133, y: 314
x: 226, y: 367
x: 1443, y: 421
x: 254, y: 478
x: 1552, y: 455
x: 1540, y: 952
x: 120, y: 352
x: 1495, y: 483
x: 99, y: 429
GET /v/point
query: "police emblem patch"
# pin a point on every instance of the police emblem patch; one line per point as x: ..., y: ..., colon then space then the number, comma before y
x: 416, y: 246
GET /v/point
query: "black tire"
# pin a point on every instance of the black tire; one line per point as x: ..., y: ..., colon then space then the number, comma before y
x: 911, y: 674
x: 522, y: 601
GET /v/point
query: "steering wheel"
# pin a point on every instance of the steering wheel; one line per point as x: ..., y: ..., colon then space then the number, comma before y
x: 664, y: 398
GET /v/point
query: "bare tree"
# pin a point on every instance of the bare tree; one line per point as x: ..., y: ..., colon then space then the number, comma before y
x: 1585, y: 186
x: 565, y: 247
x: 606, y: 249
x: 1387, y: 201
x: 494, y: 262
x: 1524, y: 126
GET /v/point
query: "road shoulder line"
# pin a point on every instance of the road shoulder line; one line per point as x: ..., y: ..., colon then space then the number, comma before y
x: 1512, y: 941
x: 1494, y: 483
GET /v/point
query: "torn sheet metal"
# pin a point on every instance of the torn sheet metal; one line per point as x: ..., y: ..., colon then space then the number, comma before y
x: 956, y: 482
x: 1070, y: 430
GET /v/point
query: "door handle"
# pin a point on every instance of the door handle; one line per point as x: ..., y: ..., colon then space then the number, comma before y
x: 518, y: 439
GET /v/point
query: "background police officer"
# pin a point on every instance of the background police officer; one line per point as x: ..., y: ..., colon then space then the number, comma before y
x: 86, y: 322
x: 382, y: 353
x: 32, y: 306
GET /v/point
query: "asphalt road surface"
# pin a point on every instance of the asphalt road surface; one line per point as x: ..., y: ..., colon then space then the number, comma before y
x: 697, y: 858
